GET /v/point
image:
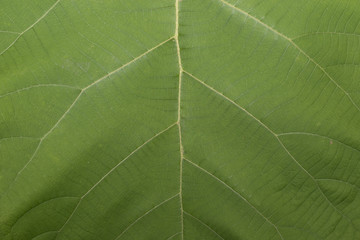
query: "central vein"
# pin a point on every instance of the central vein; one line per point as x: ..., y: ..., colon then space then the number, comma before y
x: 179, y: 112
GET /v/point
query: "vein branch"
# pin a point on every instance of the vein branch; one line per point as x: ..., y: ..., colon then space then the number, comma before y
x: 278, y: 139
x: 204, y: 224
x: 31, y: 26
x: 146, y: 213
x: 11, y: 32
x: 323, y: 33
x: 295, y: 45
x: 320, y: 136
x: 237, y: 193
x: 37, y: 86
x: 82, y: 91
x: 113, y: 169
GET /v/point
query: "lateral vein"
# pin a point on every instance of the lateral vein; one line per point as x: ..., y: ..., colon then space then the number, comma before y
x: 83, y: 90
x: 296, y: 46
x: 278, y: 139
x: 30, y: 27
x: 111, y: 170
x: 236, y: 193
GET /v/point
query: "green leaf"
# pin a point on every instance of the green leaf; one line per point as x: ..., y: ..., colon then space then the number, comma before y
x: 179, y: 119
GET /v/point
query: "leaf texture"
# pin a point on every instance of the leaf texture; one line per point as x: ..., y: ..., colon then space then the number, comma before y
x: 180, y: 119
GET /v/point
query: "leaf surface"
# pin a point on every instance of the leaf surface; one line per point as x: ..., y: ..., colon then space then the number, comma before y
x: 179, y: 119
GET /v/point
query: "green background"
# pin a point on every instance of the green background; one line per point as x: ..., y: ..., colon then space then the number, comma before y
x: 169, y: 119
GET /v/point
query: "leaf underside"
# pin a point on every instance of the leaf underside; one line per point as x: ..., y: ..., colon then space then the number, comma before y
x: 180, y: 119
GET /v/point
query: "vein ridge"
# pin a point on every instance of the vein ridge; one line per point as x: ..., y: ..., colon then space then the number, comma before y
x: 280, y: 142
x: 237, y: 193
x: 179, y: 112
x: 38, y: 86
x: 31, y: 26
x: 207, y: 226
x: 146, y: 213
x: 295, y: 45
x: 82, y: 91
x: 111, y: 170
x: 318, y: 135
